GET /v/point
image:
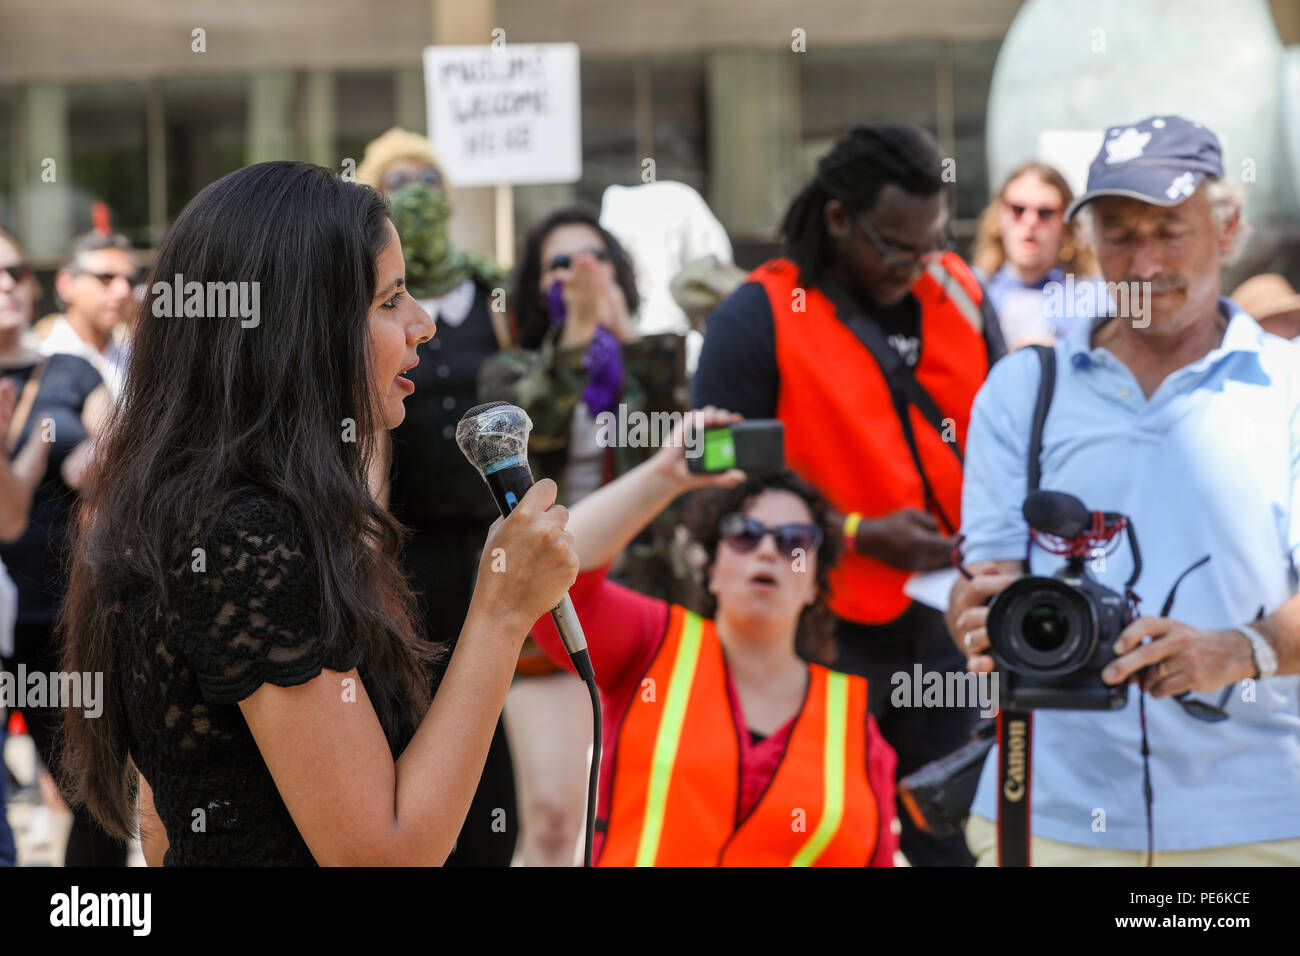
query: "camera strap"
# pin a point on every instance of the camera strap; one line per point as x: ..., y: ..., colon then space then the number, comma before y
x: 1015, y: 728
x: 905, y: 391
x: 1046, y: 388
x: 1015, y: 746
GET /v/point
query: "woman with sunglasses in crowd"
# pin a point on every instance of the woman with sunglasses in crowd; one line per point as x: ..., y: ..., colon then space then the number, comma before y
x: 722, y: 746
x: 1023, y: 252
x: 58, y: 404
x: 574, y: 302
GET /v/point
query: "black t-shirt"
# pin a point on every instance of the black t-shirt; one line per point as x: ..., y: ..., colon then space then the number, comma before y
x: 251, y: 617
x: 34, y: 560
x: 737, y: 368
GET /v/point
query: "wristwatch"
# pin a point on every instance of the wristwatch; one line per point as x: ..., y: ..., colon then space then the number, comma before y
x: 1265, y: 658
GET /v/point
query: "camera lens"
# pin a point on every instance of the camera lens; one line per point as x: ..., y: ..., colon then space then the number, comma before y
x: 1045, y: 627
x: 1042, y: 627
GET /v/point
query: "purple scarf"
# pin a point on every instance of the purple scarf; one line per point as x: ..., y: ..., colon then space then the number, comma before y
x: 603, y: 360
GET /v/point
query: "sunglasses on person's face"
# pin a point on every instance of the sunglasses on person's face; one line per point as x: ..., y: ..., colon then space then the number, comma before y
x: 565, y: 261
x: 396, y: 180
x: 1044, y: 213
x: 18, y: 271
x: 108, y: 277
x: 744, y: 534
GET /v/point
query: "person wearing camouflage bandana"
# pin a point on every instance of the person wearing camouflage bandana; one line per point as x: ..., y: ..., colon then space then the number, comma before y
x: 431, y: 488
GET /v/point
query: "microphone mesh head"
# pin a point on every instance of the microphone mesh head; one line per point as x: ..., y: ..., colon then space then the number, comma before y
x: 492, y: 433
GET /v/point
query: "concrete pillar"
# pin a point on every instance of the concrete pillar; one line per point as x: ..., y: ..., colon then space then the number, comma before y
x: 156, y: 158
x: 271, y: 117
x: 46, y: 171
x: 469, y: 23
x: 409, y: 111
x: 754, y: 134
x: 318, y: 119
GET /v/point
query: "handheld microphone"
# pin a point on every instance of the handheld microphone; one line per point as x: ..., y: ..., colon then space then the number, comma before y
x: 494, y: 437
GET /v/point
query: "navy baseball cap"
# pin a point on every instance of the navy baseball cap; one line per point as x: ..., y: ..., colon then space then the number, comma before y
x: 1160, y: 160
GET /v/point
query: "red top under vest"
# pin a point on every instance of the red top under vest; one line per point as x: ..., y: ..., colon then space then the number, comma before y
x: 624, y: 630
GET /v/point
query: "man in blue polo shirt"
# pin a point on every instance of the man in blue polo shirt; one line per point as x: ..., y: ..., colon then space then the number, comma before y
x: 1184, y: 415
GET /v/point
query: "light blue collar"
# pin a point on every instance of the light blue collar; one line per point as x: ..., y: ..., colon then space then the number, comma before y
x: 1243, y: 335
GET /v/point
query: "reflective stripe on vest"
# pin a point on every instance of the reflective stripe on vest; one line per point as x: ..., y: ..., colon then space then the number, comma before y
x: 676, y: 769
x: 837, y: 713
x: 670, y: 735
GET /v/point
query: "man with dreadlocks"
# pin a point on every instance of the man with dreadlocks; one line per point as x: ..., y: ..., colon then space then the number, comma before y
x: 869, y: 342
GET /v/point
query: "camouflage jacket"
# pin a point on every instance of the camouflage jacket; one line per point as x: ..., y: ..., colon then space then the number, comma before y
x: 548, y: 382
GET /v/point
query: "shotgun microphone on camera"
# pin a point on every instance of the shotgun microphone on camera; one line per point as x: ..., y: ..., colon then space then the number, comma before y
x: 1056, y: 513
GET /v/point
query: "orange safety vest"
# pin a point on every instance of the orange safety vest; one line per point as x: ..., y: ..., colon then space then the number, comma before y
x: 676, y: 783
x: 842, y: 433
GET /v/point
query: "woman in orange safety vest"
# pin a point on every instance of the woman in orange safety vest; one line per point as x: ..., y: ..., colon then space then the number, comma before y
x: 722, y: 746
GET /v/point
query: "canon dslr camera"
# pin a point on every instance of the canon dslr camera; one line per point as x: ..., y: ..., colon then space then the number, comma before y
x: 1051, y: 637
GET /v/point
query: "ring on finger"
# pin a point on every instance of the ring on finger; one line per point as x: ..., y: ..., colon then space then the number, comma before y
x: 969, y: 640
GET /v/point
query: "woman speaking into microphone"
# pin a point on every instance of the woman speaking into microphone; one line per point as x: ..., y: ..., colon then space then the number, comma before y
x: 234, y: 578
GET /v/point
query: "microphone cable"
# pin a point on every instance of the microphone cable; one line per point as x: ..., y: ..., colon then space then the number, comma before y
x: 494, y: 438
x: 582, y: 664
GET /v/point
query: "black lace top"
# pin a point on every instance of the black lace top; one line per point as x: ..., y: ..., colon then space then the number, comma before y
x: 251, y: 616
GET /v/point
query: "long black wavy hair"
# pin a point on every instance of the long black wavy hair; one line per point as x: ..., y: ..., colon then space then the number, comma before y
x: 211, y: 409
x: 528, y: 304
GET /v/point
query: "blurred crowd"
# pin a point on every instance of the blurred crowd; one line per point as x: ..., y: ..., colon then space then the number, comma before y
x: 631, y: 309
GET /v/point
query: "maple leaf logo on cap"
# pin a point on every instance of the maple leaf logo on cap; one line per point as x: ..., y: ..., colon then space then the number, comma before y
x: 1183, y: 185
x: 1128, y: 145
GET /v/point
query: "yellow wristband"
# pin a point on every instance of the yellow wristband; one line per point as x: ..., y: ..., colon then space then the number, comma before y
x: 851, y: 522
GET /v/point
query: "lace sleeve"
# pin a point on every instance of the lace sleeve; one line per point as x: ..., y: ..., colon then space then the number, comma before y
x: 252, y: 615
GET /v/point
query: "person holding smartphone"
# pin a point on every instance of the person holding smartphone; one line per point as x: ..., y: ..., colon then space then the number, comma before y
x: 722, y: 746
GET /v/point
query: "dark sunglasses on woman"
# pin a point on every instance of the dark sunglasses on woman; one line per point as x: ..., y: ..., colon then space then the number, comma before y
x: 1045, y: 213
x: 565, y: 261
x: 744, y: 534
x: 18, y: 271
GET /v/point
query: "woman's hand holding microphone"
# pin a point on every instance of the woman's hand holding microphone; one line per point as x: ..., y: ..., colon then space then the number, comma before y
x: 529, y: 562
x: 531, y: 559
